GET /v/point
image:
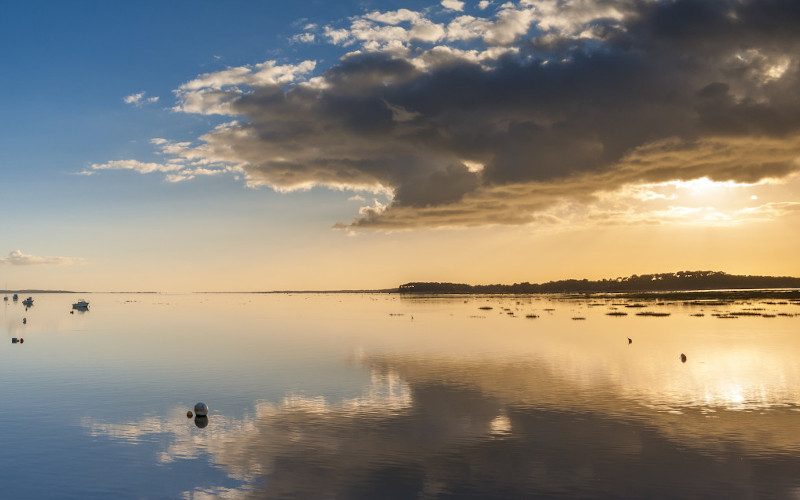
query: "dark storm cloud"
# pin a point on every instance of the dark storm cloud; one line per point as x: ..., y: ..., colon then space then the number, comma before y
x: 559, y: 113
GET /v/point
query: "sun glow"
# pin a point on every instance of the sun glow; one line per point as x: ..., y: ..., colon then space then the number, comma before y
x: 705, y: 186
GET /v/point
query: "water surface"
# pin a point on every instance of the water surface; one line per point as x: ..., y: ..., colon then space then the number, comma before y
x: 387, y: 396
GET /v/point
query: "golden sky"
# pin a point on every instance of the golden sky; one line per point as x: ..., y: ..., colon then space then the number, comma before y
x: 473, y: 142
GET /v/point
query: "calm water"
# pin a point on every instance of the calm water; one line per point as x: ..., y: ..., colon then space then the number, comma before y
x: 380, y: 396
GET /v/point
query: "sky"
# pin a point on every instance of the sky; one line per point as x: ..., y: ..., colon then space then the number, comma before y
x: 310, y: 145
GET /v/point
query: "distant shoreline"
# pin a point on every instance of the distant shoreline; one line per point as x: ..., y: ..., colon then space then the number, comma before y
x: 680, y: 282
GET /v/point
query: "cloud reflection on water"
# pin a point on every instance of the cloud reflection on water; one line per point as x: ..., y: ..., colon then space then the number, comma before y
x: 432, y: 426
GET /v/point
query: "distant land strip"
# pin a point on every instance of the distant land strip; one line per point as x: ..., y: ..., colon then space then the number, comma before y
x: 33, y: 291
x: 682, y: 281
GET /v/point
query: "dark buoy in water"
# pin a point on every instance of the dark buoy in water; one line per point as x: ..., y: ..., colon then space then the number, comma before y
x: 630, y: 341
x: 21, y: 340
x: 201, y: 421
x: 14, y: 340
x: 24, y: 321
x: 683, y: 358
x: 189, y: 414
x: 201, y: 409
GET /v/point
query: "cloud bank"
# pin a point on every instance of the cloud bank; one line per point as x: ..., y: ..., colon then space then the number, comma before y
x: 495, y: 113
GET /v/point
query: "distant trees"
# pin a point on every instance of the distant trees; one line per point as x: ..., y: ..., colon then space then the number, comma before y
x: 681, y: 280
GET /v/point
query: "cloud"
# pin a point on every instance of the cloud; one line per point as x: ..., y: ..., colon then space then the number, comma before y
x: 303, y: 37
x: 17, y: 258
x: 453, y: 5
x: 139, y: 99
x: 136, y: 166
x: 555, y: 101
x: 772, y: 209
x: 183, y: 162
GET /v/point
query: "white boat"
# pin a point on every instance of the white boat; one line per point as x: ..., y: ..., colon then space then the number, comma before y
x: 81, y: 304
x: 28, y: 301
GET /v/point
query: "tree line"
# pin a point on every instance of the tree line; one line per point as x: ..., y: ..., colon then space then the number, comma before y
x: 682, y: 280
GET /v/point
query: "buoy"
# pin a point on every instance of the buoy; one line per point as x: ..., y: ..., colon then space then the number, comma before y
x: 683, y: 358
x: 189, y: 414
x: 201, y: 409
x: 14, y: 340
x: 201, y: 421
x: 630, y: 341
x: 24, y: 321
x: 21, y: 340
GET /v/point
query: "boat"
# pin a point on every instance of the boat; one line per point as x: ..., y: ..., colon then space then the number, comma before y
x: 28, y: 302
x: 81, y: 304
x: 16, y: 297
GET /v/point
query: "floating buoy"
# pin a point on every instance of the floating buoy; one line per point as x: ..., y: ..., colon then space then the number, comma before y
x: 14, y: 340
x: 189, y: 414
x: 21, y: 340
x: 201, y: 421
x: 201, y: 409
x: 683, y: 358
x: 24, y: 321
x: 630, y: 341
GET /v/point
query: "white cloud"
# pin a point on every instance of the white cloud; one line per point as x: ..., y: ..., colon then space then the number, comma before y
x: 139, y: 99
x: 266, y: 73
x: 483, y: 4
x: 303, y: 38
x: 467, y: 28
x: 511, y: 23
x: 389, y: 31
x: 212, y: 93
x: 17, y: 258
x: 136, y: 166
x: 337, y: 37
x: 453, y: 5
x: 394, y: 17
x: 134, y: 98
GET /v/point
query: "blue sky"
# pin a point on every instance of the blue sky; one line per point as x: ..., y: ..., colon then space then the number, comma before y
x: 264, y: 145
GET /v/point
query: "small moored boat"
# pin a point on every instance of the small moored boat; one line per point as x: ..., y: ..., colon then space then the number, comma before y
x: 28, y: 301
x: 81, y: 304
